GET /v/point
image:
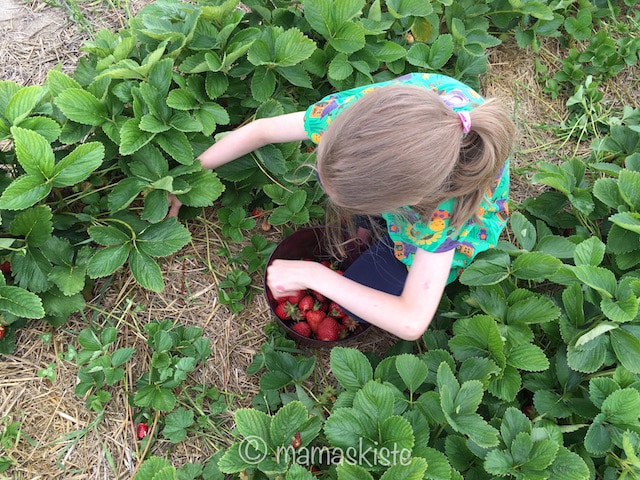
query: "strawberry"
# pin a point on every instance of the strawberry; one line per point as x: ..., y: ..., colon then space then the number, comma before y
x: 142, y: 430
x: 302, y: 328
x: 5, y: 267
x: 296, y: 442
x: 328, y: 330
x: 306, y: 303
x: 349, y: 323
x: 296, y: 297
x: 326, y: 263
x: 288, y: 311
x: 314, y: 317
x: 281, y: 311
x: 318, y: 296
x: 336, y: 310
x: 1, y: 331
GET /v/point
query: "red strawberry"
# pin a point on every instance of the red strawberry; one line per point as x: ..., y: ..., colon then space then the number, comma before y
x: 1, y: 331
x: 306, y: 303
x: 5, y: 267
x: 314, y: 317
x: 281, y: 311
x: 318, y: 296
x: 326, y: 263
x: 349, y: 323
x: 302, y: 328
x: 336, y: 311
x: 257, y: 212
x: 328, y: 330
x: 142, y: 430
x: 288, y: 311
x: 296, y: 297
x: 339, y: 272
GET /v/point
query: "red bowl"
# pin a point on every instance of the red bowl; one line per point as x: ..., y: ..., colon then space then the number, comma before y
x: 311, y: 243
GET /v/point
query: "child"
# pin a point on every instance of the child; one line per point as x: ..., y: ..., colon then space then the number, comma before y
x: 424, y: 152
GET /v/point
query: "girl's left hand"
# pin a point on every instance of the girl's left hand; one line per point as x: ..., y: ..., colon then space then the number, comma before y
x: 286, y: 277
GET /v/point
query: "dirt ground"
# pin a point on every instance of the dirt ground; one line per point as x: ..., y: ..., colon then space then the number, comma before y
x: 59, y: 436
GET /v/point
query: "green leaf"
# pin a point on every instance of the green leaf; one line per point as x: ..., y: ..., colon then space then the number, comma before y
x: 156, y: 397
x: 487, y: 270
x: 532, y: 308
x: 350, y: 367
x: 441, y: 51
x: 375, y: 401
x: 548, y: 402
x: 348, y: 38
x: 528, y: 357
x: 507, y: 386
x: 125, y: 192
x: 524, y: 230
x: 263, y: 84
x: 176, y: 425
x: 568, y: 465
x: 20, y: 302
x: 622, y: 407
x: 33, y: 152
x: 177, y: 145
x: 146, y: 271
x: 163, y: 238
x: 206, y: 187
x: 629, y: 188
x: 81, y: 106
x: 121, y: 355
x: 22, y: 103
x: 133, y: 138
x: 34, y: 225
x: 47, y: 127
x: 58, y: 81
x: 513, y: 422
x: 286, y: 422
x: 352, y: 471
x: 292, y: 47
x: 182, y: 99
x: 598, y: 278
x: 24, y: 192
x: 589, y: 252
x: 340, y: 68
x: 627, y: 348
x: 478, y: 336
x: 627, y: 220
x: 78, y: 165
x: 254, y: 424
x: 409, y: 8
x: 535, y: 266
x: 156, y: 468
x: 319, y: 15
x: 107, y: 235
x: 107, y: 260
x: 414, y: 469
x: 70, y: 279
x: 412, y: 370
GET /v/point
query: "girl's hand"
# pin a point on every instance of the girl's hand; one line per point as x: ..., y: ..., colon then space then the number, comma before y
x: 286, y: 277
x: 174, y: 205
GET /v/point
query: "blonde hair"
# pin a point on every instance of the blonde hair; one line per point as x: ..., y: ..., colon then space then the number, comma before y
x: 403, y: 146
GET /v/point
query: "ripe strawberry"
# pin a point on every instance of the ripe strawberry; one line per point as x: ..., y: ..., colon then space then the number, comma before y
x: 142, y: 430
x: 349, y: 323
x: 5, y: 267
x: 257, y: 212
x: 314, y: 317
x: 296, y: 297
x: 281, y: 311
x: 302, y: 328
x: 318, y: 296
x: 336, y: 311
x: 306, y: 303
x: 326, y: 263
x: 1, y: 331
x: 328, y: 330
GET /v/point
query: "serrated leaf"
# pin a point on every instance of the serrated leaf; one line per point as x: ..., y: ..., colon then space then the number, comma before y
x: 156, y: 397
x: 20, y: 302
x: 81, y: 106
x: 629, y: 188
x: 33, y: 152
x: 589, y: 252
x: 146, y: 271
x: 412, y: 370
x: 348, y: 38
x: 177, y: 145
x: 182, y: 99
x: 524, y: 230
x: 350, y: 367
x: 24, y: 192
x: 627, y: 348
x: 598, y: 278
x: 125, y: 192
x: 34, y: 225
x: 627, y: 220
x: 78, y: 165
x: 133, y: 138
x: 22, y: 103
x: 535, y: 266
x: 163, y: 238
x: 107, y: 260
x: 528, y: 357
x: 47, y: 127
x: 252, y: 423
x: 176, y: 425
x: 339, y: 68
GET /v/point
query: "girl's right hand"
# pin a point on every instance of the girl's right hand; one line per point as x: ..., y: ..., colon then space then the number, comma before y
x: 174, y: 206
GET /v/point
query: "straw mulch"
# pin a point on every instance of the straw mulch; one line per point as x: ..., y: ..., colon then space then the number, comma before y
x: 61, y: 438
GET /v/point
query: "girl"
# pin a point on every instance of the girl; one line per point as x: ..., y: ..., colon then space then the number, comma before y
x: 424, y: 152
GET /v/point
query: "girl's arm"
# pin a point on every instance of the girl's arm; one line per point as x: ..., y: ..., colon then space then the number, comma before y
x: 406, y: 316
x: 280, y: 129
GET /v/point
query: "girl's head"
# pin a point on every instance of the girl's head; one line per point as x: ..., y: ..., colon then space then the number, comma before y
x: 403, y: 146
